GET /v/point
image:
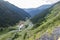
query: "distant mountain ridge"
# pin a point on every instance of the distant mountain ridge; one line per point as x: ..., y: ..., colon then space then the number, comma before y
x: 35, y: 11
x: 47, y: 27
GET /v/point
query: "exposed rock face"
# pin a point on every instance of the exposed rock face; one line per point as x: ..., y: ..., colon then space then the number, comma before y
x: 54, y: 36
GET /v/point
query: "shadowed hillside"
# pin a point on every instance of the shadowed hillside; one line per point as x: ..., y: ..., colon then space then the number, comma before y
x: 47, y: 27
x: 10, y: 14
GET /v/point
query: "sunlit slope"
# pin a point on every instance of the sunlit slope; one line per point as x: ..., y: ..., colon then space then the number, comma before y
x: 51, y: 20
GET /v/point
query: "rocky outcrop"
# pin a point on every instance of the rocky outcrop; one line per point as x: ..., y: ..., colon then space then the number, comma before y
x: 54, y: 36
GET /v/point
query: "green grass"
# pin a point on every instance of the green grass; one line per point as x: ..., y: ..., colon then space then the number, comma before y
x: 52, y: 21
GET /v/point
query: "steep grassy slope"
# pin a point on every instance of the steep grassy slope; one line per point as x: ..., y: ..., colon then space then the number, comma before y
x: 51, y: 20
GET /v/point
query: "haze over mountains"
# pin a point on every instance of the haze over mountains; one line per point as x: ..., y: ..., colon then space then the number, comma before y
x: 31, y: 3
x: 45, y: 24
x: 46, y: 27
x: 33, y: 7
x: 35, y: 11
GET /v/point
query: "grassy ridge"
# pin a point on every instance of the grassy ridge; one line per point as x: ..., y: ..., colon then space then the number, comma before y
x: 51, y: 21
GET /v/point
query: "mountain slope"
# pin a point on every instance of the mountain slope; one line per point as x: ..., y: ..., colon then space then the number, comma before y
x: 51, y: 21
x: 11, y: 14
x: 35, y: 11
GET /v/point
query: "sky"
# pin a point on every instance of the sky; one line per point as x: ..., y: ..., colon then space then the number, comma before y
x: 30, y: 3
